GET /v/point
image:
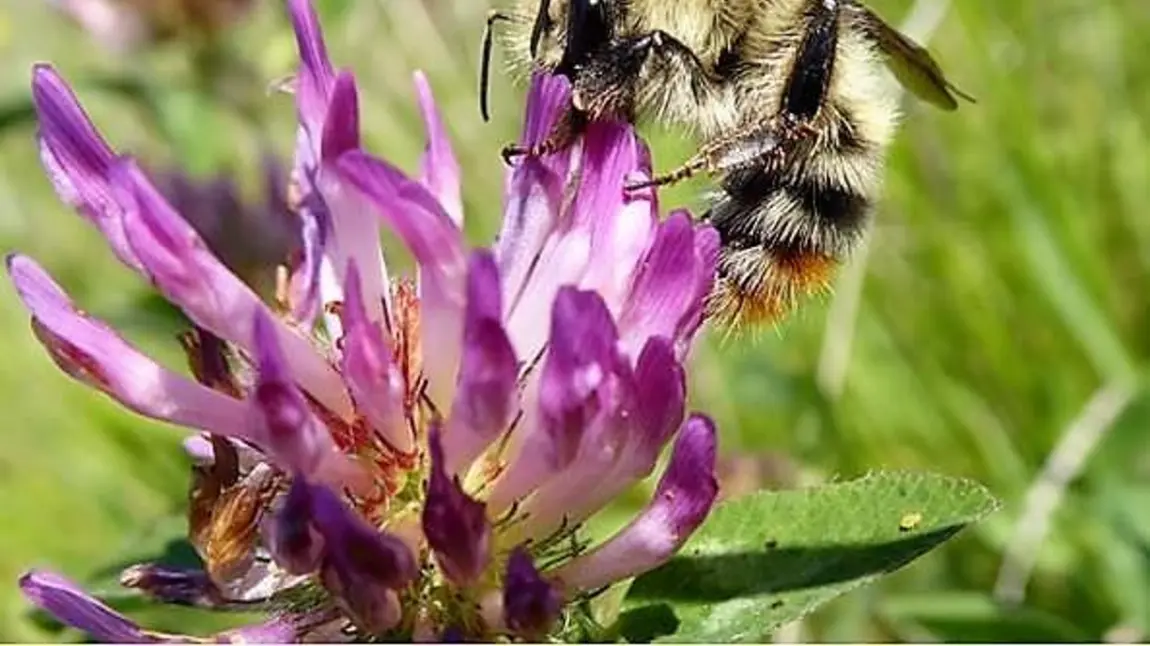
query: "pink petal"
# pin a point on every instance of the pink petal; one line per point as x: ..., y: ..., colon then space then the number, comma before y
x: 534, y: 194
x: 354, y: 228
x: 287, y: 429
x: 621, y: 446
x: 332, y: 227
x: 409, y: 210
x: 621, y: 224
x: 530, y: 213
x: 576, y: 387
x: 316, y: 77
x: 374, y: 379
x: 667, y: 296
x: 182, y: 267
x: 437, y: 244
x: 681, y: 502
x: 596, y: 243
x: 487, y: 394
x: 439, y: 170
x: 77, y: 159
x: 93, y: 353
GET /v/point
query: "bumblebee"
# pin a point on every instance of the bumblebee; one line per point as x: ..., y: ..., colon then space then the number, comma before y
x: 787, y: 100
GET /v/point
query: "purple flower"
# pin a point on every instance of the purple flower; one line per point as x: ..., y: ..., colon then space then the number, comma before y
x: 251, y: 239
x: 124, y: 26
x: 411, y: 456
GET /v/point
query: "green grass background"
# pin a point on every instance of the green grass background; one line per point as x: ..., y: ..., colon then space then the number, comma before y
x: 1007, y: 284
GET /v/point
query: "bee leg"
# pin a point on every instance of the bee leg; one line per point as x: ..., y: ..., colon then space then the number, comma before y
x: 741, y: 150
x: 568, y: 128
x: 803, y: 98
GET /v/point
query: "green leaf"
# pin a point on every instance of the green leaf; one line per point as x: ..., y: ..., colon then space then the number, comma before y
x: 770, y: 558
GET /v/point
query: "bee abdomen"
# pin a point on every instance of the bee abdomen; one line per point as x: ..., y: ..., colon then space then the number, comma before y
x: 783, y: 238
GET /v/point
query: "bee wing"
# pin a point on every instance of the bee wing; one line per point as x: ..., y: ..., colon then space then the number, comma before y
x: 911, y: 64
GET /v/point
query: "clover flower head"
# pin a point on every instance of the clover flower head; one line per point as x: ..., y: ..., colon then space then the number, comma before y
x: 382, y: 456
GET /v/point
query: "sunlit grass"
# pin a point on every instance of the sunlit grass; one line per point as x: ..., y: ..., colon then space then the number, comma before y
x: 1008, y: 279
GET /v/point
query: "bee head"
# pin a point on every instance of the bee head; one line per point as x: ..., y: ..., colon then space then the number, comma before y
x: 587, y: 26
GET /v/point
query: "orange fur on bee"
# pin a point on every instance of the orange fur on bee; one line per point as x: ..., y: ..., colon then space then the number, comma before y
x: 754, y: 288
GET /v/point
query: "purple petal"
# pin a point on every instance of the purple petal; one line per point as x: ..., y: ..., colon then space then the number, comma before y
x: 180, y: 586
x: 547, y: 98
x: 289, y: 535
x: 439, y: 170
x: 620, y: 447
x: 667, y: 296
x: 341, y: 123
x: 64, y: 600
x: 455, y: 525
x: 582, y: 354
x: 437, y: 244
x: 574, y: 389
x: 409, y: 210
x: 707, y: 246
x: 316, y: 78
x: 284, y: 629
x: 375, y: 381
x: 354, y: 226
x: 91, y: 352
x: 356, y: 546
x: 183, y: 268
x: 621, y: 224
x: 329, y: 125
x: 681, y: 502
x: 374, y: 608
x: 287, y: 429
x: 530, y: 214
x: 77, y: 160
x: 530, y: 603
x: 487, y: 394
x: 452, y: 635
x: 304, y: 287
x: 363, y: 566
x: 534, y: 196
x: 596, y: 245
x: 662, y: 392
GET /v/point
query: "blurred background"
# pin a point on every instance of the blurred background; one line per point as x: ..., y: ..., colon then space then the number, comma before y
x: 997, y: 327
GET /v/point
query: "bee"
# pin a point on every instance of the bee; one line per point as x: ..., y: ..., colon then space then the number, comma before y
x: 786, y: 98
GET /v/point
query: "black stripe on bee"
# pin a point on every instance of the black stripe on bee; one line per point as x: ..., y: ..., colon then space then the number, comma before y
x: 834, y: 204
x: 775, y: 211
x: 814, y: 63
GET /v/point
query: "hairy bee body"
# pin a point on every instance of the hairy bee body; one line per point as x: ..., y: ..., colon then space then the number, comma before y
x: 787, y: 98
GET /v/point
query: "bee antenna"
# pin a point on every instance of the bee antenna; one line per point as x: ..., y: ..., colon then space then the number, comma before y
x: 485, y: 63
